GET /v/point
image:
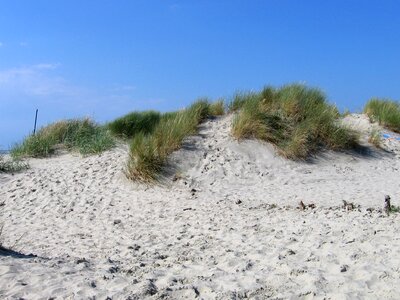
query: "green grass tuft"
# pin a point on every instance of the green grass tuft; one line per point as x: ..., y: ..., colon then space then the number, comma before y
x: 296, y: 118
x: 217, y: 108
x: 240, y: 98
x: 394, y: 209
x: 149, y: 153
x: 384, y: 111
x: 131, y: 124
x: 81, y: 135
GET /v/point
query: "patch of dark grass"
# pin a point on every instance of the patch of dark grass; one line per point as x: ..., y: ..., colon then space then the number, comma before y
x: 131, y: 124
x: 394, y: 209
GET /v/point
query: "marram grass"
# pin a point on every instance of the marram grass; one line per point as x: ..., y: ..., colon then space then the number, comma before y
x: 133, y: 123
x: 149, y: 152
x: 82, y: 135
x: 384, y: 111
x: 217, y: 108
x: 295, y: 118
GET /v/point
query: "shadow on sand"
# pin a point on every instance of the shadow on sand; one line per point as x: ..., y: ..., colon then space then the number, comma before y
x: 14, y: 254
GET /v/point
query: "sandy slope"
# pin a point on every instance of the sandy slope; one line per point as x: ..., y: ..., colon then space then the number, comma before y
x: 227, y: 227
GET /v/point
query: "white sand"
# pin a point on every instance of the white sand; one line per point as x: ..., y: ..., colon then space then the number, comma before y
x: 228, y: 228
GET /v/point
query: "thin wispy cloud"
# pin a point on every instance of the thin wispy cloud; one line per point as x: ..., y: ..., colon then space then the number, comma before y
x: 46, y: 66
x: 35, y: 80
x: 42, y: 85
x: 123, y: 88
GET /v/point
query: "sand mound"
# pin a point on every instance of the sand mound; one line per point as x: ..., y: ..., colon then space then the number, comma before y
x: 224, y: 226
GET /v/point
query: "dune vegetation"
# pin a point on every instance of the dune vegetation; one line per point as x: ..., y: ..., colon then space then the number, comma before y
x: 295, y: 118
x: 217, y: 108
x: 149, y: 152
x: 133, y: 123
x: 375, y: 138
x: 82, y: 135
x: 385, y: 112
x: 10, y: 165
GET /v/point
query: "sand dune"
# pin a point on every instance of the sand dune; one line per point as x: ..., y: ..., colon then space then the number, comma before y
x: 223, y: 225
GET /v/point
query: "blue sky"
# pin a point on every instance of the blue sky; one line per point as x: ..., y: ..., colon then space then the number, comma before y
x: 103, y: 59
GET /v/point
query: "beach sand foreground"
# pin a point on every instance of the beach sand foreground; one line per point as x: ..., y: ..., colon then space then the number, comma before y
x: 225, y: 225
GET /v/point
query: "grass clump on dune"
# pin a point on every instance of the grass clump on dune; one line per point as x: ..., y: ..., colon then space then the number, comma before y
x: 10, y: 165
x: 81, y: 135
x: 149, y: 153
x: 385, y: 112
x: 240, y: 98
x: 295, y: 118
x: 135, y: 122
x: 217, y: 108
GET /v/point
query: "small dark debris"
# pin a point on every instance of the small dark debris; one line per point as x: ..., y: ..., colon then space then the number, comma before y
x: 151, y: 288
x: 81, y: 261
x: 117, y: 221
x: 348, y: 205
x: 134, y: 247
x: 344, y: 268
x: 388, y: 206
x: 196, y: 291
x: 238, y: 202
x: 93, y: 284
x: 302, y: 206
x: 113, y: 269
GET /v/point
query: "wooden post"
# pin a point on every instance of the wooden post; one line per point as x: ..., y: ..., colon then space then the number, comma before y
x: 34, y: 127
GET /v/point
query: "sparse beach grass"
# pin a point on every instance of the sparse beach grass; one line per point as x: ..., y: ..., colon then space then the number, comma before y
x: 10, y: 165
x: 386, y: 112
x: 295, y: 118
x: 149, y: 153
x: 375, y: 138
x: 394, y: 209
x: 82, y: 135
